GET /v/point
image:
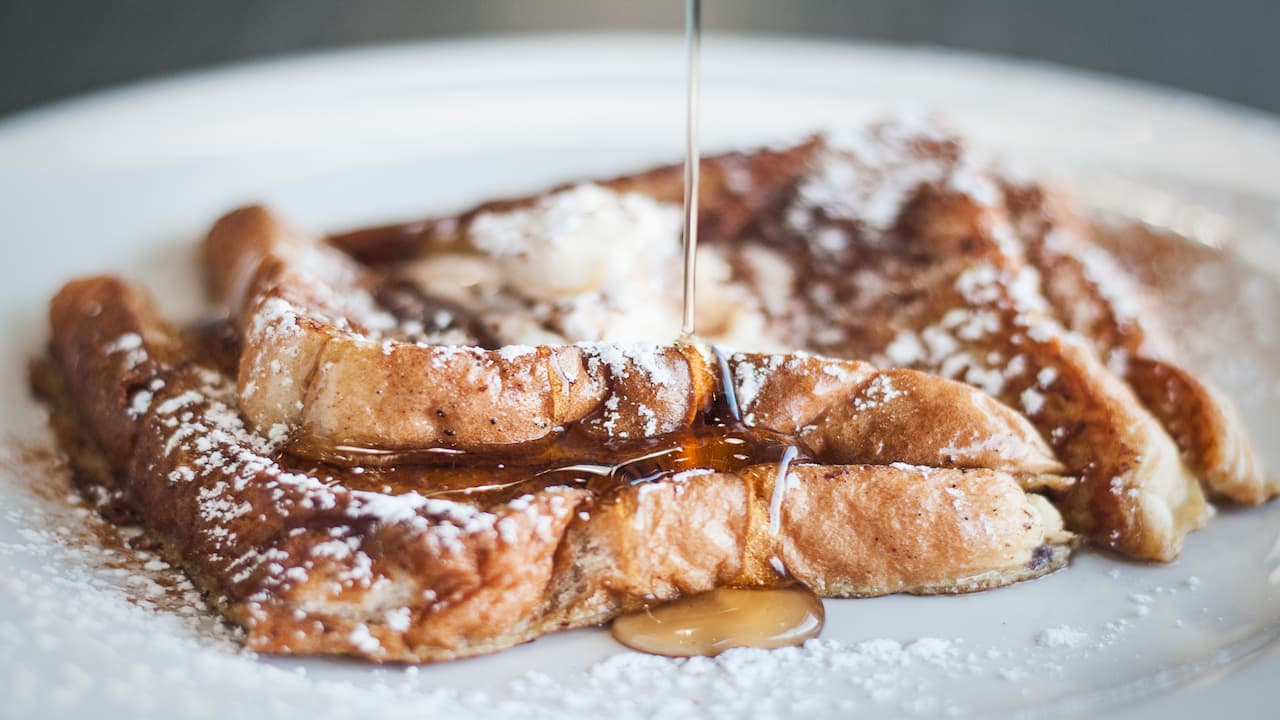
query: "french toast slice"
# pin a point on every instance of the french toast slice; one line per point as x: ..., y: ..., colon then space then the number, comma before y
x: 907, y: 239
x: 1093, y: 296
x: 896, y: 245
x: 313, y: 371
x: 403, y: 563
x: 322, y: 361
x: 435, y: 440
x: 732, y: 189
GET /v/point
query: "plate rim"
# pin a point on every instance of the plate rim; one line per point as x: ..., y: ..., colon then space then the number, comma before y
x: 77, y: 108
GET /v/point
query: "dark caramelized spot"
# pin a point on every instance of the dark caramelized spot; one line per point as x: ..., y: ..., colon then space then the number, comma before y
x: 219, y: 344
x: 1041, y: 556
x: 384, y: 243
x: 407, y: 302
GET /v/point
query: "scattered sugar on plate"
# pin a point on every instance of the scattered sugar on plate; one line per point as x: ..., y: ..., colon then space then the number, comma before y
x: 1062, y: 636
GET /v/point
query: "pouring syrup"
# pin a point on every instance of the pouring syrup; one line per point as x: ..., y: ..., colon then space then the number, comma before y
x: 692, y: 163
x: 711, y: 622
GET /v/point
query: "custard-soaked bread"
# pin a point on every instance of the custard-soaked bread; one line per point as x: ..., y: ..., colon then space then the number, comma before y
x: 894, y: 244
x: 352, y: 394
x: 913, y: 241
x: 310, y: 560
x: 324, y: 362
x: 435, y: 440
x: 1093, y: 296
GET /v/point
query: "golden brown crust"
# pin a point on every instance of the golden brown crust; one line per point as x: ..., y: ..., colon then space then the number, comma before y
x: 118, y: 322
x: 908, y: 482
x: 918, y: 529
x: 308, y: 565
x: 901, y: 412
x: 1204, y: 424
x: 850, y: 412
x: 942, y: 286
x: 314, y: 368
x: 1094, y: 297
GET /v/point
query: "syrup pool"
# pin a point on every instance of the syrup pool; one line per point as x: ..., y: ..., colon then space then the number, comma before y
x: 710, y: 623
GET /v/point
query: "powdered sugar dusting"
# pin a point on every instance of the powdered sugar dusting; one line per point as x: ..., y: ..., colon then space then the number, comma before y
x: 867, y: 177
x: 131, y: 599
x: 622, y: 359
x: 1062, y: 636
x: 892, y: 676
x: 750, y: 377
x: 879, y: 391
x: 130, y: 346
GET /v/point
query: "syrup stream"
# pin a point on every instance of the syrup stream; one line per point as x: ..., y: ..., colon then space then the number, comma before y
x: 692, y: 159
x: 726, y: 385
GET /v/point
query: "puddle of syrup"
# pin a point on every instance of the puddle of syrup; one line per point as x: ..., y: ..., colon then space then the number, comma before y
x: 710, y: 623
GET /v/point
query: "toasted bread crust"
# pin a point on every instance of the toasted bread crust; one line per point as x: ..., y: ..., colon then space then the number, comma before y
x: 347, y: 397
x: 311, y: 365
x: 943, y: 285
x: 304, y: 488
x: 1094, y: 297
x: 908, y: 253
x: 307, y: 565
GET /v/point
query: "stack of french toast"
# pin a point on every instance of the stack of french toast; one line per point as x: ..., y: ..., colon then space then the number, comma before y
x: 432, y: 440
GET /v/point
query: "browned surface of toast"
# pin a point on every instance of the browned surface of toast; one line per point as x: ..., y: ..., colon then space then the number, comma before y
x: 360, y: 461
x: 308, y: 563
x: 1096, y: 298
x: 903, y: 250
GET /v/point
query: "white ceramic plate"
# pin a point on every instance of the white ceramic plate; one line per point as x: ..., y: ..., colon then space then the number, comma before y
x: 126, y: 181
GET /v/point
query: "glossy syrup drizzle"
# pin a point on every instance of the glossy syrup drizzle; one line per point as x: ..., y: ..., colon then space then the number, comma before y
x: 692, y: 162
x: 711, y: 622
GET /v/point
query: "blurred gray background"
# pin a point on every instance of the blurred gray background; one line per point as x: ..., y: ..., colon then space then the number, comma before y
x: 54, y: 48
